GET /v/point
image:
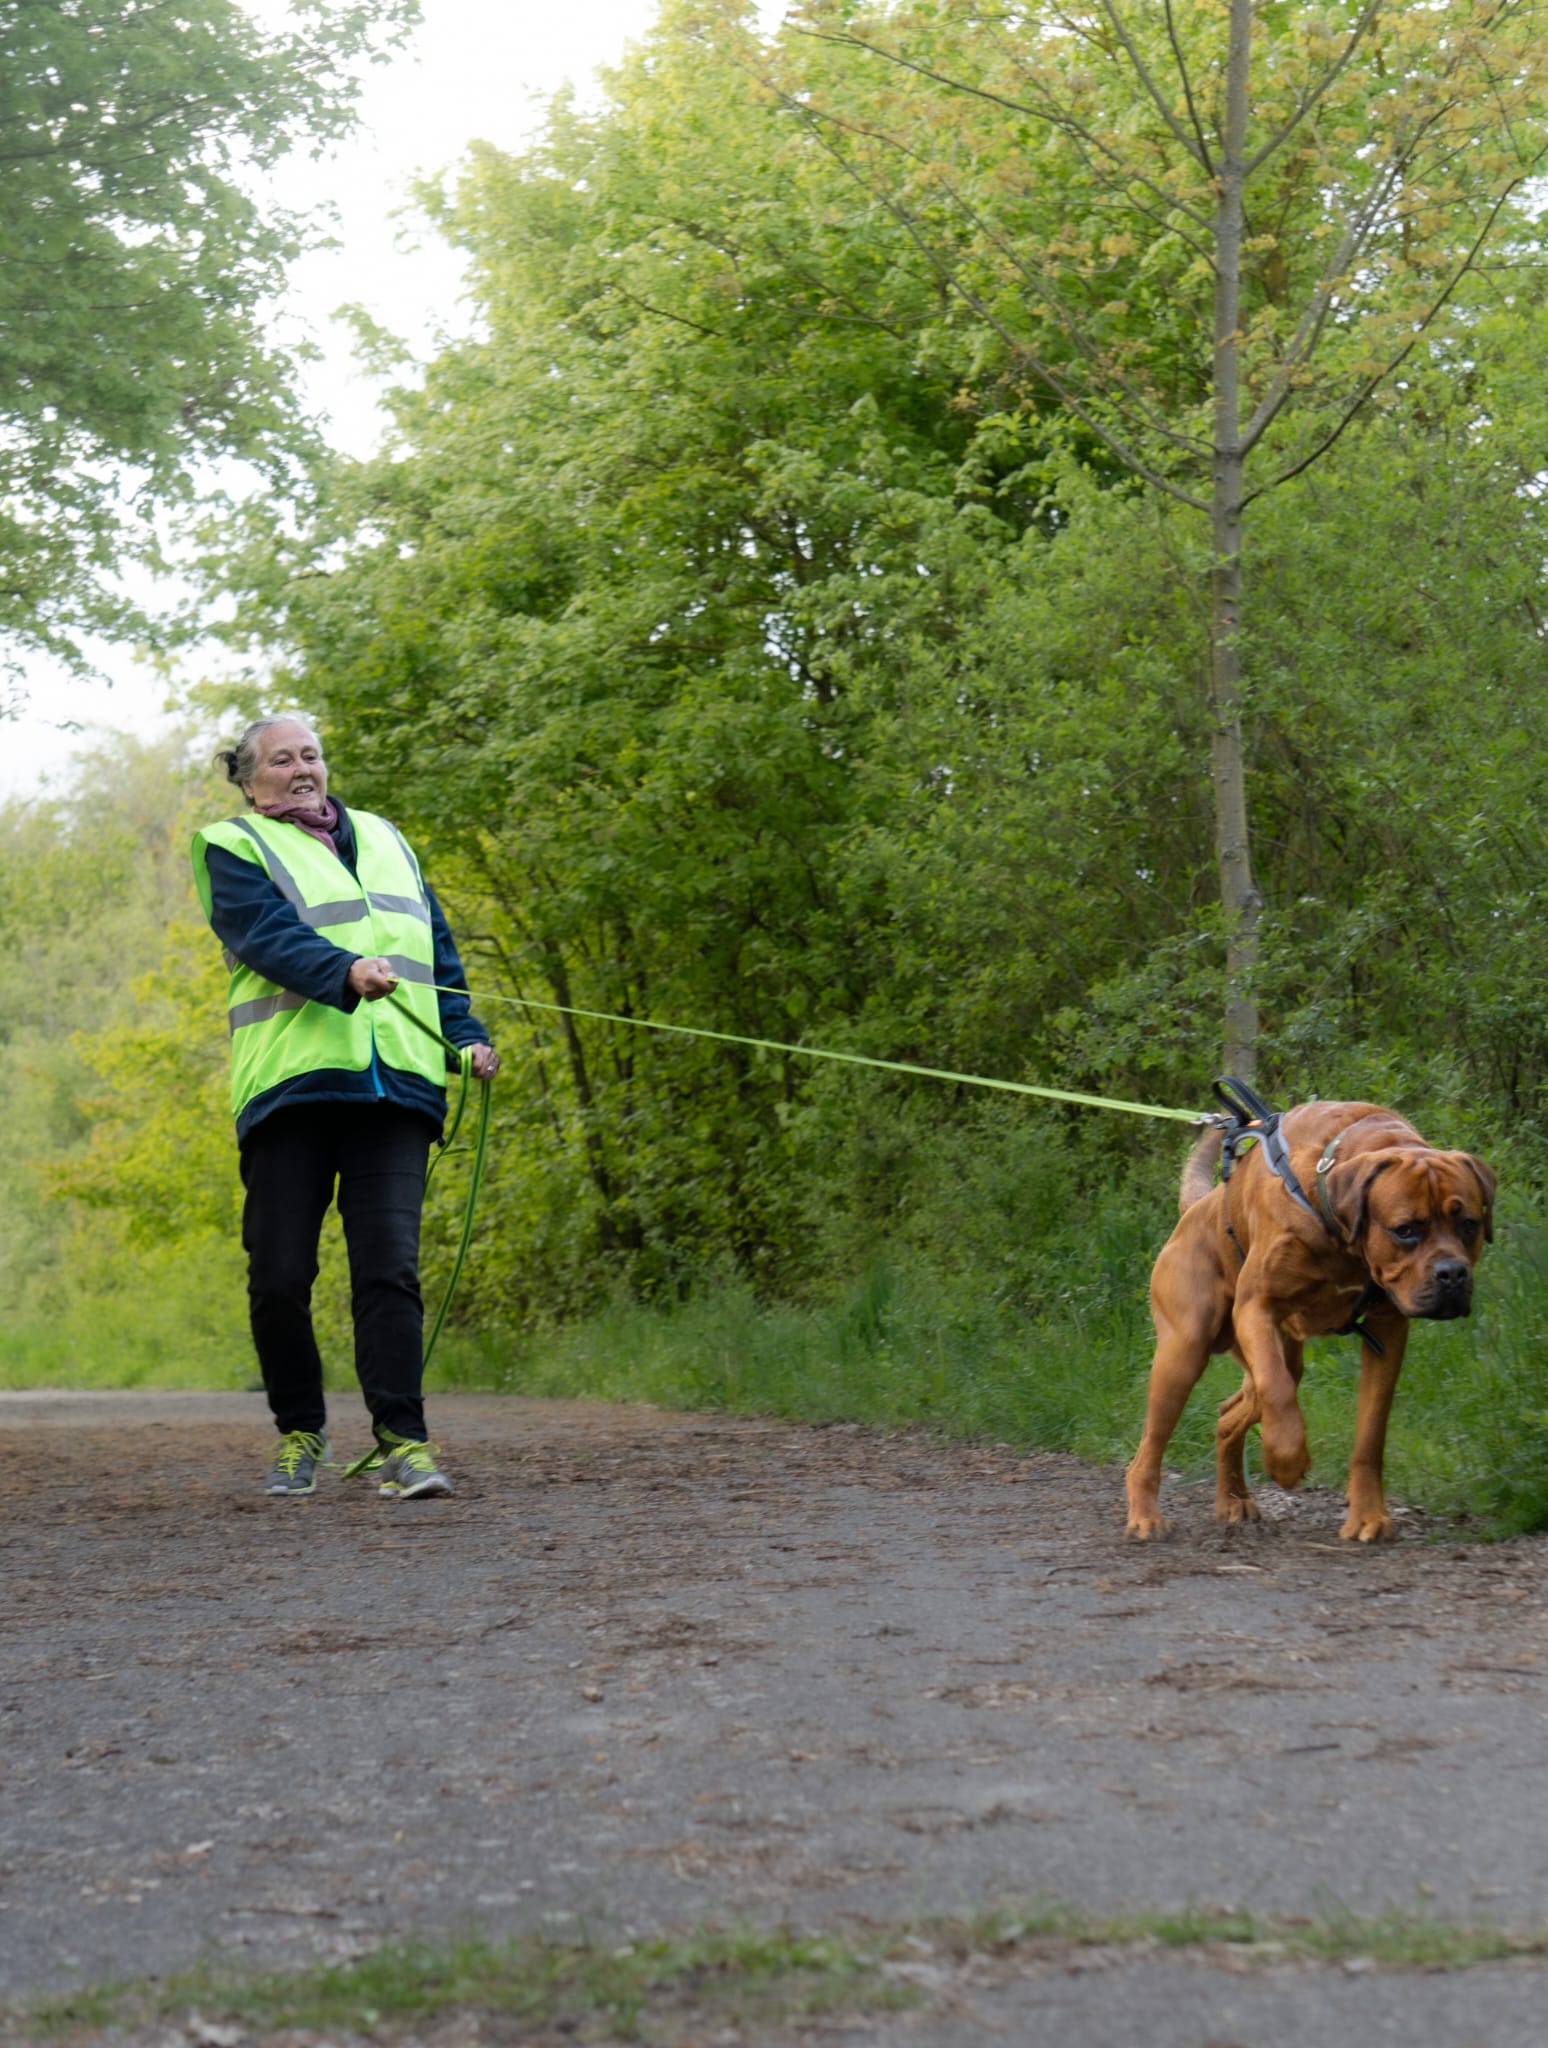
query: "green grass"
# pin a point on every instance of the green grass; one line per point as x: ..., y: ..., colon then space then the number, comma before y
x: 892, y: 1351
x: 644, y: 1989
x: 1396, y: 1940
x: 743, y: 1975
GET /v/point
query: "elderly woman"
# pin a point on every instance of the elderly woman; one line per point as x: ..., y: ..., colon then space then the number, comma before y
x: 323, y: 912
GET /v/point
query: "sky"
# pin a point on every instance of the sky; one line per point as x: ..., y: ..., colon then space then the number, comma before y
x: 475, y: 70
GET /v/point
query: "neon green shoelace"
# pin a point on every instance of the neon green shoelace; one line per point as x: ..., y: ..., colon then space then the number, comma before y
x: 298, y: 1444
x: 414, y: 1456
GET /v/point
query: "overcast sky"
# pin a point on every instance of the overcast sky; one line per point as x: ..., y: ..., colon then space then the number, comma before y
x: 476, y: 70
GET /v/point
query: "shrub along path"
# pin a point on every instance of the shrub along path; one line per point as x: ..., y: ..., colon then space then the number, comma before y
x: 651, y: 1670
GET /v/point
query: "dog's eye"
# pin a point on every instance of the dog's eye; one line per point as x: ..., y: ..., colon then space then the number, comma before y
x: 1407, y: 1233
x: 1467, y: 1228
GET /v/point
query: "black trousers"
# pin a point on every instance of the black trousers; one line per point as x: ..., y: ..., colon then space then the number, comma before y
x: 377, y: 1154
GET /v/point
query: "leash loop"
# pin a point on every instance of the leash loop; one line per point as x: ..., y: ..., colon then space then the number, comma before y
x: 464, y: 1058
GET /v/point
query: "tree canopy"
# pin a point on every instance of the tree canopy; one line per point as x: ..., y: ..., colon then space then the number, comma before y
x: 1211, y: 234
x: 137, y: 256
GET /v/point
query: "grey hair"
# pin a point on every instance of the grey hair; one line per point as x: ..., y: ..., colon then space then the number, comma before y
x: 241, y: 761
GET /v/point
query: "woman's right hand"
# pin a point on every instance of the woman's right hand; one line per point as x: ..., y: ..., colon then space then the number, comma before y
x: 371, y: 979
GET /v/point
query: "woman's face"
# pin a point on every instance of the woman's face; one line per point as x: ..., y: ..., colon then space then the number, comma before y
x: 291, y: 769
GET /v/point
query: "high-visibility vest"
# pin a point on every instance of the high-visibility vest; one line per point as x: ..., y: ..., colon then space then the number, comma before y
x: 277, y: 1035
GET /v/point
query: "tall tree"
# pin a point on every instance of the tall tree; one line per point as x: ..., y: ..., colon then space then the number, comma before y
x: 1261, y: 208
x: 136, y: 255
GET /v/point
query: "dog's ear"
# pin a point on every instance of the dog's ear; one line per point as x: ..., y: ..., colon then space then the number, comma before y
x: 1484, y: 1175
x: 1349, y: 1192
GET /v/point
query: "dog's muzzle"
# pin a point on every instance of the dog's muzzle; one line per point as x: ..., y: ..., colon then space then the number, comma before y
x: 1449, y: 1292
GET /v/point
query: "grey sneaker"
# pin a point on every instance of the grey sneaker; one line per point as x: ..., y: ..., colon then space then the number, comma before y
x: 409, y: 1470
x: 296, y: 1460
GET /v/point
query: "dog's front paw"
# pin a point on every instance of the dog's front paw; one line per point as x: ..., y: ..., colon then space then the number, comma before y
x: 1286, y: 1459
x: 1368, y: 1525
x: 1236, y: 1508
x: 1145, y: 1522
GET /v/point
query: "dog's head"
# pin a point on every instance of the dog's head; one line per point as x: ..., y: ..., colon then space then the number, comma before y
x: 1419, y: 1219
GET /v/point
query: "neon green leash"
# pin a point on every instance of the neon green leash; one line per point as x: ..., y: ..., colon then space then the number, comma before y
x: 855, y: 1059
x: 812, y: 1052
x: 464, y: 1059
x: 378, y: 1453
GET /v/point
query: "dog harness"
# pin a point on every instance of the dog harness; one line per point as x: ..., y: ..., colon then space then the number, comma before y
x: 1248, y: 1120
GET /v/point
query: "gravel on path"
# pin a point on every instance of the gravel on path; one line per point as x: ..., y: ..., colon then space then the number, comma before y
x: 647, y: 1670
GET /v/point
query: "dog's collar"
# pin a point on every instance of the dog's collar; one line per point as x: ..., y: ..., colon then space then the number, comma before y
x: 1324, y: 1199
x: 1372, y: 1293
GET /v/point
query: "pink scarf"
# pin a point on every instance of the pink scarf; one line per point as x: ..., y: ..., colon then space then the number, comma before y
x: 321, y: 824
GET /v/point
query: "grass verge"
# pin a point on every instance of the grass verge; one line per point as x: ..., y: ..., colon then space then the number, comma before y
x: 642, y: 1990
x: 617, y: 1992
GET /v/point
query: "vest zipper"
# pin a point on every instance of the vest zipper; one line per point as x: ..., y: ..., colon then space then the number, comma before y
x: 377, y: 1088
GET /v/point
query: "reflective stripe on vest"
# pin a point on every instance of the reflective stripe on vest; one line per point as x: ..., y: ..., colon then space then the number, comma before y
x: 258, y: 1009
x: 344, y: 909
x: 276, y: 1034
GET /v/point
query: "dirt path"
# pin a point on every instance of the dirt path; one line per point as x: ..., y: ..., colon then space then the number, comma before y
x: 650, y: 1669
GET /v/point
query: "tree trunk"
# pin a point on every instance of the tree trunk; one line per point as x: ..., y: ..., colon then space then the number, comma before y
x: 1239, y: 897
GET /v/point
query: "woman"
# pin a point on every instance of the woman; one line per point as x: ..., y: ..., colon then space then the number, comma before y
x: 323, y: 913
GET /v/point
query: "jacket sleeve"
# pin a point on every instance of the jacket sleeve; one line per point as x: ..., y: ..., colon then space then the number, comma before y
x: 253, y: 920
x: 458, y: 1022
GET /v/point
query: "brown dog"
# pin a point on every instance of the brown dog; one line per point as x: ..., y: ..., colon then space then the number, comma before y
x: 1392, y: 1229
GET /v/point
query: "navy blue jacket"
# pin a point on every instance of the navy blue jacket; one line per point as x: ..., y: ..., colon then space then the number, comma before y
x: 254, y: 921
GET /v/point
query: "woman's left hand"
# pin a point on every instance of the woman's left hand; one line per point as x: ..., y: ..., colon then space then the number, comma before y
x: 486, y: 1062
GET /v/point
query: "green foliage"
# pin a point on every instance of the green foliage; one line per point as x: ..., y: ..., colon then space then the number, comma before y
x: 136, y: 254
x: 1067, y: 182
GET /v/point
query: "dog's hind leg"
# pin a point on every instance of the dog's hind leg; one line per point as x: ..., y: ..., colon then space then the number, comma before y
x: 1238, y: 1413
x: 1188, y: 1319
x: 1179, y: 1362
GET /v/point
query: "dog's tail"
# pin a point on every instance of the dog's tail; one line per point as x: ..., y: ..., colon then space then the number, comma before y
x: 1198, y: 1175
